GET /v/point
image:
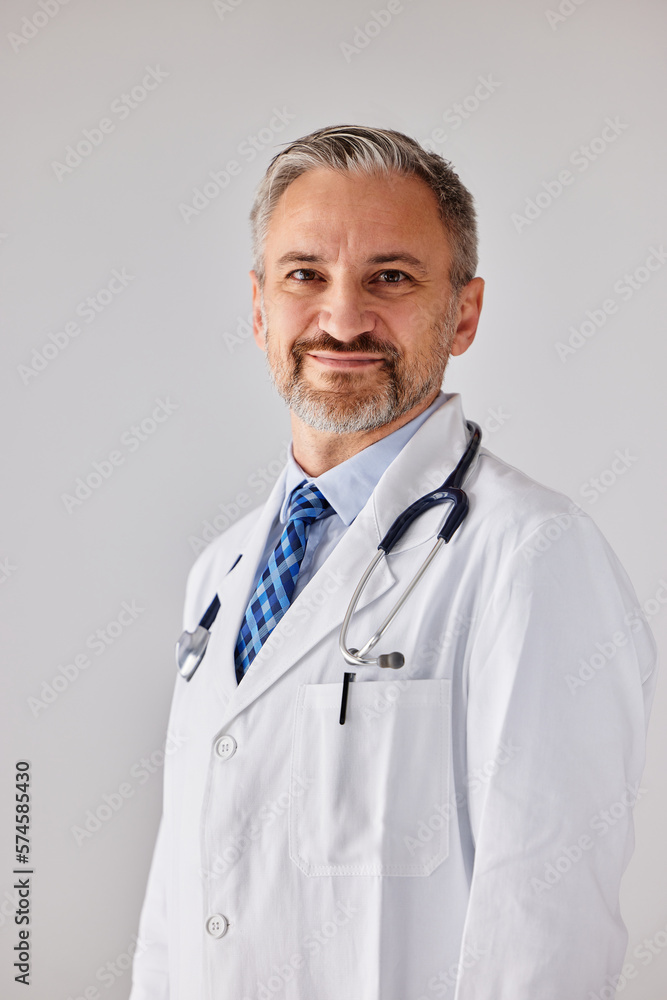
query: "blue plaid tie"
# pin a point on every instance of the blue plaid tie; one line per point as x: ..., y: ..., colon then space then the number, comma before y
x: 274, y: 591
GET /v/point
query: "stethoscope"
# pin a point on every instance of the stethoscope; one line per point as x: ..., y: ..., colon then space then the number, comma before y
x: 191, y: 646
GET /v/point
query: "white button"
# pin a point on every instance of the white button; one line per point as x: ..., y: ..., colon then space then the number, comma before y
x: 217, y: 925
x: 225, y: 747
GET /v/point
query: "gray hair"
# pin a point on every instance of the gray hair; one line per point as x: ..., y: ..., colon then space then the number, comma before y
x: 364, y: 150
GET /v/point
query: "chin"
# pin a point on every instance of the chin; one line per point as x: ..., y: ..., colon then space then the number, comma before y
x: 344, y: 410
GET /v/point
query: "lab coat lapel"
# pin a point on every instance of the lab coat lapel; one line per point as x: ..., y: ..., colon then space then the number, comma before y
x: 235, y: 589
x: 423, y: 464
x: 426, y: 460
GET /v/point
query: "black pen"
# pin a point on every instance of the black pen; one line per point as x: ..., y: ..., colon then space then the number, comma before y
x: 347, y: 677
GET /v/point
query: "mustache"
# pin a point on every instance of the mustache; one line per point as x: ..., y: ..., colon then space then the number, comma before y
x: 364, y: 343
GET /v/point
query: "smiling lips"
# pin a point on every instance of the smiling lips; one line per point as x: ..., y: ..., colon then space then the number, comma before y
x: 342, y: 362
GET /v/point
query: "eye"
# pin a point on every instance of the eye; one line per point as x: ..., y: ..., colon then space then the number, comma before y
x: 393, y: 277
x: 302, y: 274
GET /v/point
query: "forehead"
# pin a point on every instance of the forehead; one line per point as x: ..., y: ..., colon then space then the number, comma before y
x: 337, y: 212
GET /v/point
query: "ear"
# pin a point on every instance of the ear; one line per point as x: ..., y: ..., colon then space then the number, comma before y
x: 258, y: 330
x: 470, y: 307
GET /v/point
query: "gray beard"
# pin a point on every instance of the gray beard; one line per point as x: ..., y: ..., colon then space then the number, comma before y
x: 400, y: 392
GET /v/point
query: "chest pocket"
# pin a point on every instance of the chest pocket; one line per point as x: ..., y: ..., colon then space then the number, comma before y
x: 373, y: 793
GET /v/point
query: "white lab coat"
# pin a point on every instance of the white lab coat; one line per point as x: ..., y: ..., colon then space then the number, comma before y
x: 464, y: 834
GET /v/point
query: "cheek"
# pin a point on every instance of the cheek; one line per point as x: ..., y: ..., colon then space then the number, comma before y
x: 289, y: 318
x: 410, y: 326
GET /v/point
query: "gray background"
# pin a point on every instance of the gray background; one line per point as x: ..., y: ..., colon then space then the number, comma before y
x: 178, y: 332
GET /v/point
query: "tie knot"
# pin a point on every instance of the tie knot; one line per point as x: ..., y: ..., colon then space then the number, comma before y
x: 308, y: 504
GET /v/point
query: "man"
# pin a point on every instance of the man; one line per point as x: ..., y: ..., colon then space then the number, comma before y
x: 455, y: 827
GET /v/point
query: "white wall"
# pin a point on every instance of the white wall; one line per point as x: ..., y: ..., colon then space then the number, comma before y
x: 220, y: 72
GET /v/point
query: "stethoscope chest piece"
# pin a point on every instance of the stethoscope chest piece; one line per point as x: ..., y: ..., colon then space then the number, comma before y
x: 190, y: 650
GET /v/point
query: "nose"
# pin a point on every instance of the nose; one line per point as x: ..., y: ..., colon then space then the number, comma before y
x: 344, y: 313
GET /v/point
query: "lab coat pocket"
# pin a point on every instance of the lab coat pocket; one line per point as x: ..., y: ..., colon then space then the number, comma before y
x: 370, y: 796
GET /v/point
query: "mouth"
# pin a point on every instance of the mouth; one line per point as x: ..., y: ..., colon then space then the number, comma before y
x: 345, y: 362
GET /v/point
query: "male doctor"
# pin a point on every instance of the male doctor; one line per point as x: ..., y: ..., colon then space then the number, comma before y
x: 463, y: 832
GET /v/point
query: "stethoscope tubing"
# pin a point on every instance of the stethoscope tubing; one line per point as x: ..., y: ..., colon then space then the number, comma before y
x: 356, y: 658
x: 449, y: 492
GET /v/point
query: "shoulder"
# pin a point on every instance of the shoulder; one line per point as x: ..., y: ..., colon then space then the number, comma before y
x: 548, y: 574
x: 516, y: 507
x: 517, y: 519
x: 527, y: 532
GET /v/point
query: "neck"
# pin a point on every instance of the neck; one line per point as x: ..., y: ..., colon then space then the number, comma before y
x: 317, y: 451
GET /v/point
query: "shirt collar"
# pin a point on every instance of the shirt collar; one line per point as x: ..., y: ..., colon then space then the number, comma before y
x: 348, y: 486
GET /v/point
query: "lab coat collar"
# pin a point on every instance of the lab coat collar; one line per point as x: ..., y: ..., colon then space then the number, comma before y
x: 424, y: 463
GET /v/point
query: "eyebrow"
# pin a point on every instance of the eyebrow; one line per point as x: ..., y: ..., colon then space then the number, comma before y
x: 394, y: 257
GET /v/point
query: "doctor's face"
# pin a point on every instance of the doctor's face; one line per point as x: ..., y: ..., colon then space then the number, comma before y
x: 357, y: 315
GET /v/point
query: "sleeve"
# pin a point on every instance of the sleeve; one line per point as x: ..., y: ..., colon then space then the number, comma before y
x: 150, y: 973
x: 561, y: 676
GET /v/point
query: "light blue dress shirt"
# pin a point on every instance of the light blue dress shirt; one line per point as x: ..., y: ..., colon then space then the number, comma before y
x: 347, y: 487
